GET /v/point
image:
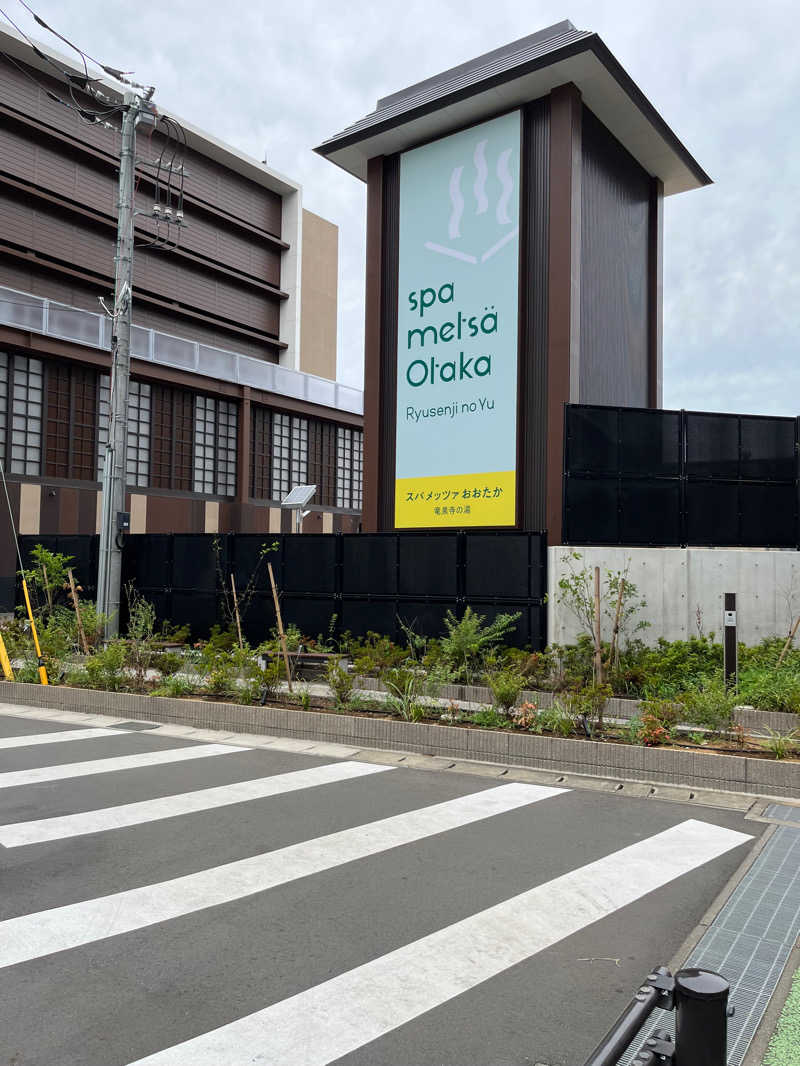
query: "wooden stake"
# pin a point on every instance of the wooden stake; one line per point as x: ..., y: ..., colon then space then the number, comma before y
x: 615, y: 631
x: 280, y: 626
x: 598, y: 650
x: 74, y: 594
x: 789, y: 640
x: 236, y: 611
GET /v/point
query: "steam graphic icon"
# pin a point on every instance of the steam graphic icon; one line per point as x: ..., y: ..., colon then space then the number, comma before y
x: 482, y: 205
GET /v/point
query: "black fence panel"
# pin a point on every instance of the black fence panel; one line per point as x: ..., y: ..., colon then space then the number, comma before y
x: 675, y: 478
x: 428, y: 564
x: 310, y: 563
x: 82, y: 549
x: 369, y: 564
x: 329, y: 584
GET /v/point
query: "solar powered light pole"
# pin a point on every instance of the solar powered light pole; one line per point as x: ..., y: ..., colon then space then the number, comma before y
x: 296, y: 501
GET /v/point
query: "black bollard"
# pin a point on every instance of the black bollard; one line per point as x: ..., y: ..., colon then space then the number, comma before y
x: 701, y: 1018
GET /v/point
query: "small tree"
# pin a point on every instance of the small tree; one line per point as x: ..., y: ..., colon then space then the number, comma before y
x: 619, y: 603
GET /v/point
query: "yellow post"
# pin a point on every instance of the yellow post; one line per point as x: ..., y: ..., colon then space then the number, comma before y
x: 5, y: 662
x: 42, y: 670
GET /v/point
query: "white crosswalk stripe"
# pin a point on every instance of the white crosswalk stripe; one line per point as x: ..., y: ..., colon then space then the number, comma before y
x: 29, y: 740
x: 339, y: 1016
x: 15, y: 778
x: 206, y: 799
x: 33, y: 935
x: 303, y: 1016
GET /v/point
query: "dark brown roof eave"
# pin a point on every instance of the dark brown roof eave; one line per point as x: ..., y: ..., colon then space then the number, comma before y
x: 590, y: 43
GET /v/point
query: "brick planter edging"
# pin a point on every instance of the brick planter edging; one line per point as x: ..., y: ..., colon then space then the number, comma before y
x: 616, y: 707
x: 729, y: 773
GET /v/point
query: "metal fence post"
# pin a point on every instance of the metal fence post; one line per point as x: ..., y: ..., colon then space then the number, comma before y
x: 701, y: 1018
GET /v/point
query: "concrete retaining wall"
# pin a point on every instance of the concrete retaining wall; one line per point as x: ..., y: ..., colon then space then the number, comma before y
x: 656, y: 765
x: 675, y: 582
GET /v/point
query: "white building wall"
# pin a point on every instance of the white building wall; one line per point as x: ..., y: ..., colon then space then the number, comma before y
x: 291, y: 267
x: 675, y: 582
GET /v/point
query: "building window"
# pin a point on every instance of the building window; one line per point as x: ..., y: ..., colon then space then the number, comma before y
x: 349, y: 467
x: 281, y: 455
x: 289, y: 453
x: 3, y: 404
x: 138, y: 450
x: 172, y: 434
x: 215, y: 443
x: 299, y: 451
x: 260, y: 453
x: 204, y: 442
x: 22, y: 386
x: 227, y: 439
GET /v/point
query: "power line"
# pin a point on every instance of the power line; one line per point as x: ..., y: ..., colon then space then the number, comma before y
x: 118, y: 75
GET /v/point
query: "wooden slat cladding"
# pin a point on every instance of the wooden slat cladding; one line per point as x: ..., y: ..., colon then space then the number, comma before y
x: 532, y: 415
x: 52, y: 234
x: 206, y: 179
x: 615, y: 208
x: 171, y: 438
x: 322, y: 461
x: 56, y: 457
x: 58, y: 190
x: 390, y: 250
x: 71, y: 422
x: 260, y: 452
x: 48, y: 171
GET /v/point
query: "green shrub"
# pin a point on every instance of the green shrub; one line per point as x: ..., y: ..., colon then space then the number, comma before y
x: 467, y: 641
x: 506, y: 687
x: 28, y: 672
x: 489, y: 718
x: 669, y: 668
x: 557, y: 719
x: 261, y: 683
x: 221, y: 670
x: 766, y: 654
x: 710, y: 705
x: 105, y: 669
x: 770, y: 689
x: 167, y: 663
x: 340, y: 681
x: 666, y: 712
x: 404, y: 685
x: 174, y: 685
x: 782, y: 744
x: 375, y: 654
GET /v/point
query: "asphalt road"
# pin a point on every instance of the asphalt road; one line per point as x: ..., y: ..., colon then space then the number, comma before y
x: 191, y: 904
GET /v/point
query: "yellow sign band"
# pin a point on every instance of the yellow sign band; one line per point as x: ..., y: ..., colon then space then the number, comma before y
x: 454, y: 501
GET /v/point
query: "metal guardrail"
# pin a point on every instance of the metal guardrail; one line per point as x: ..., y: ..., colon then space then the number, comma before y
x: 700, y: 1001
x: 23, y: 310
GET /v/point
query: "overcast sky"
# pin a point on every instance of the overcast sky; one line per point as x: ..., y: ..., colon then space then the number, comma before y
x: 280, y: 77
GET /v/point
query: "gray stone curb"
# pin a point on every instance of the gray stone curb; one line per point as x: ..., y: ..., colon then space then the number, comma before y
x: 703, y: 770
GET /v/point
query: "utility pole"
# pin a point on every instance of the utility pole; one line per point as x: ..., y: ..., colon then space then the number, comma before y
x: 114, y: 519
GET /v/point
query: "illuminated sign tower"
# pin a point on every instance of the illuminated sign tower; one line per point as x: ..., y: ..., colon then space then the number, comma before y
x: 514, y: 222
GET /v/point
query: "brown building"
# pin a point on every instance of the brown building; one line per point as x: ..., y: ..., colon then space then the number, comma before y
x: 233, y: 393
